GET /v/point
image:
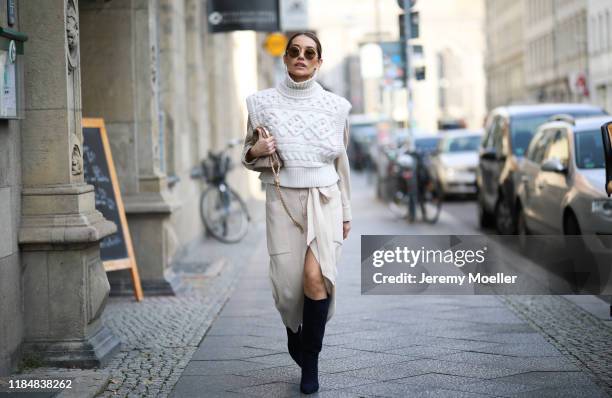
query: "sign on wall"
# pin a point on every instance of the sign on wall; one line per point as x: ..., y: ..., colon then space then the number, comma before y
x: 294, y: 15
x: 231, y: 15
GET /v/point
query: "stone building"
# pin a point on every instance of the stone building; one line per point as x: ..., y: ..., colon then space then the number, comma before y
x: 600, y: 52
x: 504, y: 56
x: 168, y: 92
x: 556, y: 61
x: 453, y: 45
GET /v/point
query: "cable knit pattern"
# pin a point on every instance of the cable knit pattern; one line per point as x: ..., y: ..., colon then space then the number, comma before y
x: 308, y: 123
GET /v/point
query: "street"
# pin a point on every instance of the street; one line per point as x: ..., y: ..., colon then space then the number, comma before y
x: 442, y: 346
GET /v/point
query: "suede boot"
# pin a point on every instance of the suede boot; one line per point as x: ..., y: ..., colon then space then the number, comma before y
x: 313, y: 330
x: 294, y: 344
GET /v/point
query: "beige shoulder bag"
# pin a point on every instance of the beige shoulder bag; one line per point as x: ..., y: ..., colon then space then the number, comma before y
x: 273, y: 162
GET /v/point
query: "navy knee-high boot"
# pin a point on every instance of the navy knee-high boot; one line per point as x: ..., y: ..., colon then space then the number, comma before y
x: 294, y: 345
x: 313, y: 330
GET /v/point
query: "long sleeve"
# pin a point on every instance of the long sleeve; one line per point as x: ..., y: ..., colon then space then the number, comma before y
x: 344, y: 182
x: 248, y: 143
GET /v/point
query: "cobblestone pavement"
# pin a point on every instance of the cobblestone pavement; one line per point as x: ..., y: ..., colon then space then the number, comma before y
x: 396, y: 346
x: 160, y: 334
x: 582, y: 337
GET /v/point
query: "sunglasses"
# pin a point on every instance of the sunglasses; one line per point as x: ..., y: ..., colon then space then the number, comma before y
x: 309, y: 53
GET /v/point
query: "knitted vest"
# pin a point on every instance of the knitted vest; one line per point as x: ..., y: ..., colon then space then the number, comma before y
x: 308, y: 124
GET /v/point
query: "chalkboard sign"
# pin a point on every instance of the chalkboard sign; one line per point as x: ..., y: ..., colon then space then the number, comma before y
x: 116, y: 250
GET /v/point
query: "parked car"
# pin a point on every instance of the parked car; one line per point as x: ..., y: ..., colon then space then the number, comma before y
x: 562, y: 180
x: 456, y: 161
x: 508, y: 131
x: 363, y: 130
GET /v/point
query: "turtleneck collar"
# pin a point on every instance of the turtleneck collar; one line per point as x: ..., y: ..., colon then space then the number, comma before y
x: 305, y: 89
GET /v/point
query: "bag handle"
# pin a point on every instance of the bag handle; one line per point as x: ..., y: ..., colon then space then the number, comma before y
x: 275, y: 165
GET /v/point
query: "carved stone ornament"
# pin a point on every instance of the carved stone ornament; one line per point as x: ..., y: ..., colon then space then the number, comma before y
x: 72, y: 35
x: 77, y: 161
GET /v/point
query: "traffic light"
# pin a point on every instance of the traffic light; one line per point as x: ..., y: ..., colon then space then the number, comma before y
x: 414, y: 26
x: 419, y: 73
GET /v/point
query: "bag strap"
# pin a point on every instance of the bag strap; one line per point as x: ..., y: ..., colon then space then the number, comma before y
x: 275, y: 165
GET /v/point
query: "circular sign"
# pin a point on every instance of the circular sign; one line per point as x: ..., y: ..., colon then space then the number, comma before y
x: 275, y: 44
x: 215, y: 18
x: 12, y: 52
x: 401, y: 3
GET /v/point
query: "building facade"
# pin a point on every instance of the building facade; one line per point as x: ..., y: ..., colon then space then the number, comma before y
x: 169, y: 92
x: 600, y: 52
x: 453, y: 44
x: 556, y: 59
x: 504, y: 56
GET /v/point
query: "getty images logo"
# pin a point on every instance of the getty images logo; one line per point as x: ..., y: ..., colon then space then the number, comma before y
x: 414, y: 257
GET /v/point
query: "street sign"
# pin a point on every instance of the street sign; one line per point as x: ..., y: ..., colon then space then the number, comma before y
x: 275, y: 44
x: 231, y: 15
x: 393, y: 63
x: 293, y: 15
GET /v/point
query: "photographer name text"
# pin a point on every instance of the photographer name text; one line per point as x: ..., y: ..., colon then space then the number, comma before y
x: 424, y: 278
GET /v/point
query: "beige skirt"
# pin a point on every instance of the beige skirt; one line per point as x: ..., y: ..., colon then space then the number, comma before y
x: 319, y: 211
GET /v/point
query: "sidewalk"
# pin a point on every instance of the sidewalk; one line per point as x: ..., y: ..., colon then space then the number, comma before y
x: 417, y: 346
x: 160, y: 334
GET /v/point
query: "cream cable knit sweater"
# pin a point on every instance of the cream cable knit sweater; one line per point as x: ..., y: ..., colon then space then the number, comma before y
x: 311, y: 130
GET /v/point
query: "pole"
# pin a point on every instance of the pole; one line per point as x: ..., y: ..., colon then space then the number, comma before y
x: 408, y: 70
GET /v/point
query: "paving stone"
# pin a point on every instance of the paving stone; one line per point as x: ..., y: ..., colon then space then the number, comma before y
x: 221, y: 367
x: 193, y: 386
x: 431, y: 381
x: 548, y: 364
x: 386, y: 389
x: 275, y: 389
x: 367, y: 359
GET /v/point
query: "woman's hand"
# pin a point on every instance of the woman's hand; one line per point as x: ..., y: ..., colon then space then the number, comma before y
x: 346, y: 227
x: 263, y: 147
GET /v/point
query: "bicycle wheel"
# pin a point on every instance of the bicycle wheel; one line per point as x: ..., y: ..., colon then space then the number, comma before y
x: 398, y: 205
x: 224, y: 214
x: 431, y: 202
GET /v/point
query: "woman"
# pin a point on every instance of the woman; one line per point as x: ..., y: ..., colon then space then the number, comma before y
x: 310, y: 131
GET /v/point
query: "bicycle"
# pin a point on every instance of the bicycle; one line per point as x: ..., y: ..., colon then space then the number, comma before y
x: 223, y: 212
x: 415, y: 184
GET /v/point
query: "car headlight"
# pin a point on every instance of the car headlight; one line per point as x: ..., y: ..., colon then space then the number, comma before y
x: 602, y: 207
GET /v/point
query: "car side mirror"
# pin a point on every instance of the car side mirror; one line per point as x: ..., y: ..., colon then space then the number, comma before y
x: 488, y: 154
x: 554, y: 165
x: 606, y: 135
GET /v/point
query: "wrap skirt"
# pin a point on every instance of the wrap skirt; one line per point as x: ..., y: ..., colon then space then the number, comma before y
x: 319, y: 211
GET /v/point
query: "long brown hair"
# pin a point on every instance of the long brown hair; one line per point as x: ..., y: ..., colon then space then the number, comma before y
x: 309, y: 35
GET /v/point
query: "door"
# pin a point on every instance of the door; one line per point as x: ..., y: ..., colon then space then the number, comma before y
x: 527, y: 175
x: 489, y: 157
x: 555, y: 182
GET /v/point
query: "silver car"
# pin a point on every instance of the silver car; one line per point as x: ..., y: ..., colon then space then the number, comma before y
x: 456, y: 161
x: 562, y: 178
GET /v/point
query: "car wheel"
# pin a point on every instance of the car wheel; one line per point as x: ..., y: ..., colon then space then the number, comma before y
x: 504, y: 221
x: 485, y: 219
x: 570, y: 226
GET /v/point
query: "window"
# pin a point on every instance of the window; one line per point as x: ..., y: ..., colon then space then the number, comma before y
x: 589, y: 150
x: 461, y: 144
x: 531, y: 150
x: 559, y: 147
x: 540, y: 146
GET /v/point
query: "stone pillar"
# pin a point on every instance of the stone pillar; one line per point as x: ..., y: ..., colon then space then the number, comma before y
x: 120, y: 59
x: 64, y: 284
